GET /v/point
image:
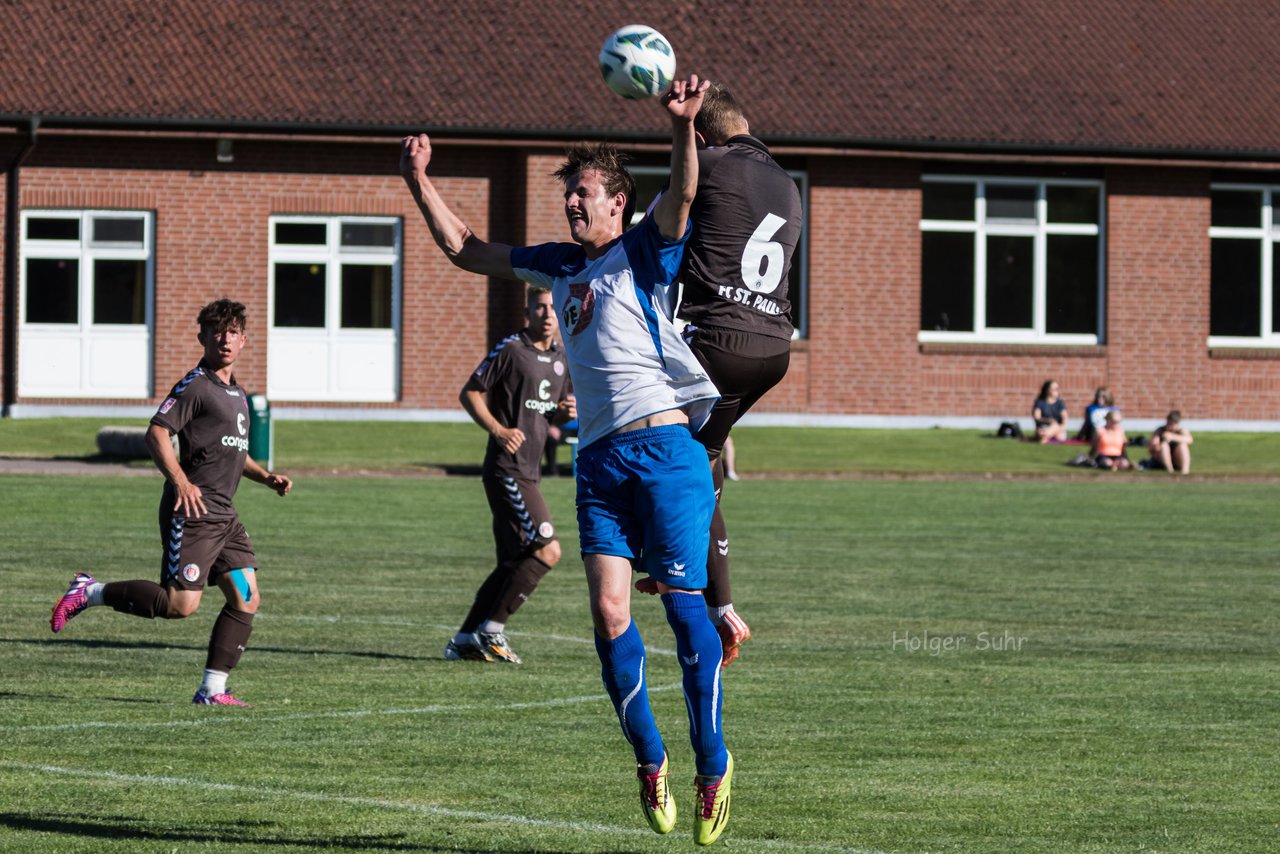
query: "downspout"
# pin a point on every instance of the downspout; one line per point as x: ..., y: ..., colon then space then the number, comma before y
x: 12, y: 215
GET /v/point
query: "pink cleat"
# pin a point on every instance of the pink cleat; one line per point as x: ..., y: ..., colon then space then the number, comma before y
x: 72, y: 602
x: 223, y: 699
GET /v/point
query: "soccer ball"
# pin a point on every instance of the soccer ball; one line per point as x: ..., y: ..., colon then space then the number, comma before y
x: 637, y: 62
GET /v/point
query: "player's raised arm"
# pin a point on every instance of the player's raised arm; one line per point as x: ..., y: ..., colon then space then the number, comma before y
x: 458, y: 242
x: 682, y: 103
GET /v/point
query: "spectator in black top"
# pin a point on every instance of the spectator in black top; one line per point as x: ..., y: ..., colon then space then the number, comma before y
x: 1050, y: 414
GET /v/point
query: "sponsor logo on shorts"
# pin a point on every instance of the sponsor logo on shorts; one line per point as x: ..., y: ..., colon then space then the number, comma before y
x: 191, y: 572
x: 677, y: 569
x: 690, y: 660
x: 167, y: 405
x: 546, y: 531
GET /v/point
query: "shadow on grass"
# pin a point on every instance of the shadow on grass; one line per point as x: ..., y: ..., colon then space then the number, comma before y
x: 136, y: 645
x: 240, y: 833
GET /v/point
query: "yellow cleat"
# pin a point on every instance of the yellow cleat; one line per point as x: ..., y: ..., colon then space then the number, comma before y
x: 712, y: 804
x: 659, y: 807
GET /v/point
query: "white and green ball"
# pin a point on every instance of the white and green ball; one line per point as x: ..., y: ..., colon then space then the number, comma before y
x: 637, y: 62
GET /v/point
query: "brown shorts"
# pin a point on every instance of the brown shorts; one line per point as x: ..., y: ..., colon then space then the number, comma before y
x: 521, y: 520
x: 744, y: 366
x: 199, y: 551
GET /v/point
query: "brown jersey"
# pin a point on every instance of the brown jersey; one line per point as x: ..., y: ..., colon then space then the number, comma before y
x: 211, y: 419
x: 746, y: 224
x: 522, y: 386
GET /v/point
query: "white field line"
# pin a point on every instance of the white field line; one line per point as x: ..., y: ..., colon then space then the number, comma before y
x: 421, y: 809
x: 254, y: 719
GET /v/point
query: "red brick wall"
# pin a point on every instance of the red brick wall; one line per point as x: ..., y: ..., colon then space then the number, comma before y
x: 862, y: 356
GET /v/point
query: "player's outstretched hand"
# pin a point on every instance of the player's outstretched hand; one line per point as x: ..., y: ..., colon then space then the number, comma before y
x: 280, y: 483
x: 684, y: 98
x: 415, y: 154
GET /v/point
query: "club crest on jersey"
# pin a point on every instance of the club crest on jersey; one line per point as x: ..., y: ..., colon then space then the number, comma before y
x: 546, y: 531
x: 558, y: 367
x: 577, y: 311
x: 191, y: 572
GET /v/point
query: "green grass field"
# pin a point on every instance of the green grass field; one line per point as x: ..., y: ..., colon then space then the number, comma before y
x: 964, y: 666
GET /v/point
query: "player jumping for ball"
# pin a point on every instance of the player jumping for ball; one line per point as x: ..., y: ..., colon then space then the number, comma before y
x: 201, y: 533
x: 645, y: 497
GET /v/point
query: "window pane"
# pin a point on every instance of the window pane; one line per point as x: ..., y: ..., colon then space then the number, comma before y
x: 1009, y: 269
x: 1072, y: 204
x: 1071, y: 284
x: 1007, y: 202
x: 53, y: 290
x: 302, y: 233
x: 948, y: 201
x: 1235, y: 287
x: 1236, y: 208
x: 53, y: 229
x: 118, y: 230
x: 946, y: 294
x: 369, y: 234
x: 648, y: 185
x: 366, y: 296
x: 119, y: 292
x: 300, y: 295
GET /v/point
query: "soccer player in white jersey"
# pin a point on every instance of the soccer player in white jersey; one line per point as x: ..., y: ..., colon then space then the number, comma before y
x: 645, y: 496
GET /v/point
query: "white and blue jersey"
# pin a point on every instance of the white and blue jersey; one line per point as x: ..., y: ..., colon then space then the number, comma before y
x: 625, y: 357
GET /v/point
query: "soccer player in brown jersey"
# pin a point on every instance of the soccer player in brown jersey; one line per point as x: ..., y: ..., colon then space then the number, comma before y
x: 514, y: 395
x: 203, y: 539
x: 746, y: 226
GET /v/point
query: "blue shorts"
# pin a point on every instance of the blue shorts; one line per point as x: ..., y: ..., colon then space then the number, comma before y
x: 647, y: 495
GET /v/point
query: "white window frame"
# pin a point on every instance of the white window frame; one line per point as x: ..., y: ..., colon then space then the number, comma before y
x: 86, y: 359
x: 799, y: 257
x: 1039, y: 231
x: 331, y: 345
x: 1268, y: 233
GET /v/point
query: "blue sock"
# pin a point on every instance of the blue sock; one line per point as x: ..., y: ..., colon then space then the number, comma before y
x: 698, y: 646
x: 622, y: 669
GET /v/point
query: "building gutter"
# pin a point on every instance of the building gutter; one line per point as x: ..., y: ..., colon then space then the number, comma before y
x: 12, y: 217
x: 544, y: 136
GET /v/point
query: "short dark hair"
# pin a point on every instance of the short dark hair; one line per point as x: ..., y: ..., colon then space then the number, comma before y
x: 222, y: 315
x: 608, y: 161
x: 720, y: 116
x: 1174, y: 417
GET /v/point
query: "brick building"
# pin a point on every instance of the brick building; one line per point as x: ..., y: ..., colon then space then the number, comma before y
x: 996, y: 193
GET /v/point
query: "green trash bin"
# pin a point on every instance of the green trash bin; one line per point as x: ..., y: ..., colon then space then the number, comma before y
x: 261, y: 445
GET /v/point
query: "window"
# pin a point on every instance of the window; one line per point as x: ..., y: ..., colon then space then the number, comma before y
x: 86, y: 304
x: 651, y: 179
x: 1244, y: 288
x: 335, y: 308
x: 1009, y: 260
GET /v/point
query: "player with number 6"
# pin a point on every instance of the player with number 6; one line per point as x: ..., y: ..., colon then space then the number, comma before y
x: 746, y: 225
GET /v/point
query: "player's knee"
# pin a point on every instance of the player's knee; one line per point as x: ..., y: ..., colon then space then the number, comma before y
x: 182, y: 604
x: 549, y: 554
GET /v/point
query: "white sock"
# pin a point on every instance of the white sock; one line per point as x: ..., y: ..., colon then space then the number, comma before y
x: 215, y: 682
x: 490, y: 627
x: 717, y: 613
x: 94, y: 592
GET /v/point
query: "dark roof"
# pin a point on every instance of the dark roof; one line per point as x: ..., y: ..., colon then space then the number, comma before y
x: 1180, y: 77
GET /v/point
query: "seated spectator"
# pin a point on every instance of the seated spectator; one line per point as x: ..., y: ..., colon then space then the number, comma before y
x: 1095, y: 414
x: 1170, y: 446
x: 1108, y: 450
x: 1050, y: 414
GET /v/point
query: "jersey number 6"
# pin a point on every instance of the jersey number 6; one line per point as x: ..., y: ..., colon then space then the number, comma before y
x: 762, y: 258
